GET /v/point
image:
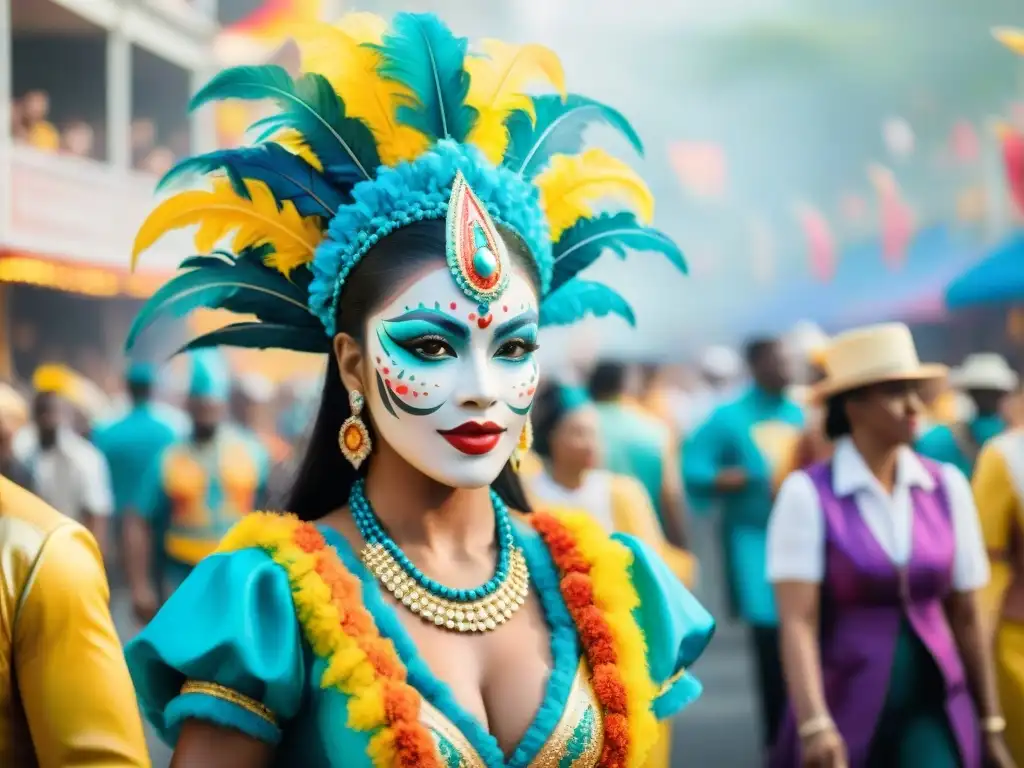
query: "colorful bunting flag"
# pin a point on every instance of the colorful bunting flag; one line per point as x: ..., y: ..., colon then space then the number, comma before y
x: 896, y: 219
x: 700, y: 167
x: 1012, y: 145
x: 821, y: 244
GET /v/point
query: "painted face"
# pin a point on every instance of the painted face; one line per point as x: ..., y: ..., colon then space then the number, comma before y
x: 451, y: 388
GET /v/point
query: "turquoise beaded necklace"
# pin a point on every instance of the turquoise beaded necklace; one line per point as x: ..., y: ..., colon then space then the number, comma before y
x: 479, y: 609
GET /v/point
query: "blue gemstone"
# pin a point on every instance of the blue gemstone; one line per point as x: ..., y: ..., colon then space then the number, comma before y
x: 484, y: 263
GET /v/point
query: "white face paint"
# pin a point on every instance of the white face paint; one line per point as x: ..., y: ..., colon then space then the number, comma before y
x: 450, y: 390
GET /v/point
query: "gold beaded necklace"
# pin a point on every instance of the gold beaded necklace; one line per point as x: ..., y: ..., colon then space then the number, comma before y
x: 483, y: 615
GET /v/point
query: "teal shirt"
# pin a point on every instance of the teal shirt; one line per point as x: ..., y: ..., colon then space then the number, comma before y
x: 192, y: 494
x: 939, y: 442
x: 757, y: 433
x: 635, y: 444
x: 130, y: 443
x: 232, y: 622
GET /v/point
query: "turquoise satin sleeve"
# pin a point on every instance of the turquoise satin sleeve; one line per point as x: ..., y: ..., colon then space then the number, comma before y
x: 232, y: 624
x: 676, y: 627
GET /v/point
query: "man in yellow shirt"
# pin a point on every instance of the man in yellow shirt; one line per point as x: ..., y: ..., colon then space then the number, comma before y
x: 998, y: 483
x: 66, y: 700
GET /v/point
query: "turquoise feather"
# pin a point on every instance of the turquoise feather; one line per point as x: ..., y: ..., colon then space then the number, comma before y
x: 263, y: 336
x: 243, y: 287
x: 558, y: 130
x: 577, y: 299
x: 421, y: 53
x: 584, y: 242
x: 344, y: 145
x: 288, y: 176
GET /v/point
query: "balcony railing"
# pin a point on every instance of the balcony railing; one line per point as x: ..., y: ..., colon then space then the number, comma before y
x: 79, y: 212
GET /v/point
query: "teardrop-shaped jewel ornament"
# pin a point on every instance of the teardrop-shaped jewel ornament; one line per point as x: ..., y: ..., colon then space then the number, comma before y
x: 476, y: 257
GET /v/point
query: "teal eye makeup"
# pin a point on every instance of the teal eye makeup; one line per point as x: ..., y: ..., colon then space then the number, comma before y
x: 428, y: 335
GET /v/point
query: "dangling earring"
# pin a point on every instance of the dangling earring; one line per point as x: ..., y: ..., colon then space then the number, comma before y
x: 524, y: 445
x: 354, y: 437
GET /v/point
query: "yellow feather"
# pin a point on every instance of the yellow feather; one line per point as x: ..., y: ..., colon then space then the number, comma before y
x: 294, y: 142
x: 342, y: 55
x: 221, y: 212
x: 364, y: 26
x: 572, y: 184
x: 497, y: 87
x: 1010, y: 37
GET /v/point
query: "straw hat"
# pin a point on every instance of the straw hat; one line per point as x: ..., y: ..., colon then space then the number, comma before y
x: 984, y: 370
x: 871, y: 355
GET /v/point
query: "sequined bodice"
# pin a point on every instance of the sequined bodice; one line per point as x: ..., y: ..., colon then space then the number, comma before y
x: 576, y: 741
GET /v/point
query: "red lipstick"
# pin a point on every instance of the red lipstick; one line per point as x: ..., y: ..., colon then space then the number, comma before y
x: 474, y: 438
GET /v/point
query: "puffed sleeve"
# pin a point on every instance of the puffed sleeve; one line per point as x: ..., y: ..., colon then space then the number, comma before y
x: 676, y: 628
x: 226, y: 648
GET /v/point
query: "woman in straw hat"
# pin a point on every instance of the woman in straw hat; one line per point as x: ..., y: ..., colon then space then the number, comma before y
x: 877, y: 557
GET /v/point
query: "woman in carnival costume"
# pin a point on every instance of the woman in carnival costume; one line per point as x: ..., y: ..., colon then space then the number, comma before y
x: 417, y: 217
x: 877, y: 558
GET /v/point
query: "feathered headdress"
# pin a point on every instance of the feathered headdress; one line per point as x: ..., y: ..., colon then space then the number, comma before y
x: 387, y: 126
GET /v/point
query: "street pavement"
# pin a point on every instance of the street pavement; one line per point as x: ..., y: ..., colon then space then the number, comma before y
x: 720, y: 730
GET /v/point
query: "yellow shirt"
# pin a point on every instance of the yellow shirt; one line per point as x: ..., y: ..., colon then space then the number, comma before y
x: 66, y: 700
x: 999, y: 505
x: 43, y: 136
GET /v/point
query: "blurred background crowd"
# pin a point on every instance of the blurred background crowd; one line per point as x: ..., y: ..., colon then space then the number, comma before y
x: 821, y: 168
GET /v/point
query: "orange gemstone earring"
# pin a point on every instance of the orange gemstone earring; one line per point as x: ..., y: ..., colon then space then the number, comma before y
x: 354, y: 437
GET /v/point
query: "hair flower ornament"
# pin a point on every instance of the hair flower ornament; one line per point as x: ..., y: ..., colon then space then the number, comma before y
x: 388, y: 125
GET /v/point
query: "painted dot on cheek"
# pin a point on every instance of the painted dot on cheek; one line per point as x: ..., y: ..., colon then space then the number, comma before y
x: 504, y: 308
x: 386, y: 371
x: 452, y: 305
x: 401, y: 389
x: 472, y: 316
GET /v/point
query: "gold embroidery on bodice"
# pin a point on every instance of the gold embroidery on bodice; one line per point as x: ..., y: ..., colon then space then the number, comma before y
x: 578, y: 737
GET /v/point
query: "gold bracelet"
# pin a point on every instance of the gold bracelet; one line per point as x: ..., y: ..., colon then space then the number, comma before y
x: 993, y: 725
x: 814, y: 726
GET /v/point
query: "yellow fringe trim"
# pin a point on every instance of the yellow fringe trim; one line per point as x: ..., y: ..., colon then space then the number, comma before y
x: 616, y: 598
x: 349, y: 670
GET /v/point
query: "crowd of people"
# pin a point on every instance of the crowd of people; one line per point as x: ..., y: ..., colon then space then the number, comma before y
x: 31, y: 125
x: 466, y: 562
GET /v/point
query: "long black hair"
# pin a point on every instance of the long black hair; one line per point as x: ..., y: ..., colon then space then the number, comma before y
x: 324, y: 478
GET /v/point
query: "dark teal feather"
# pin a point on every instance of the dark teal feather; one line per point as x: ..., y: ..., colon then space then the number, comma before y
x: 263, y: 336
x: 288, y: 176
x: 214, y: 259
x: 421, y: 53
x: 245, y: 287
x: 558, y: 130
x: 584, y: 242
x: 578, y: 298
x: 344, y: 145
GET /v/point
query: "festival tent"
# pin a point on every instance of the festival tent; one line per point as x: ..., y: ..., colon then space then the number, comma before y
x: 865, y: 289
x: 997, y: 279
x: 916, y: 293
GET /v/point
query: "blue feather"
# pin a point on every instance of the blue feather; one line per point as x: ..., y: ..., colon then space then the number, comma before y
x: 344, y: 145
x: 422, y: 54
x: 578, y: 298
x: 584, y: 242
x: 558, y: 130
x: 243, y: 286
x: 288, y: 176
x: 263, y: 336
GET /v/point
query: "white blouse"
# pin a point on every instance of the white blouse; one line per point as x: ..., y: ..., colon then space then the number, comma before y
x: 594, y: 495
x: 796, y: 529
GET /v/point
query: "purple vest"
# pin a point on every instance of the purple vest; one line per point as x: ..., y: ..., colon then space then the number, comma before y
x: 864, y: 599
